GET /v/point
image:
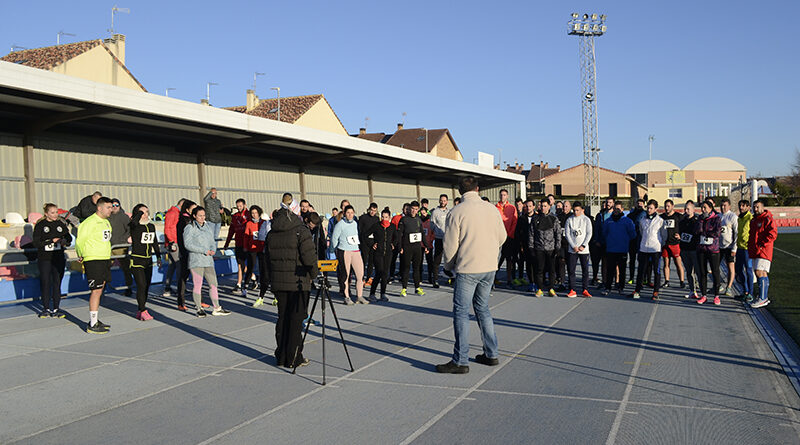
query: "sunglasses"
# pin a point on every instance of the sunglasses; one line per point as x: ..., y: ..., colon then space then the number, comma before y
x: 114, y: 205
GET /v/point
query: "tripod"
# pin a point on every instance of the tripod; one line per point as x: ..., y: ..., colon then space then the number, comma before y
x: 323, y: 290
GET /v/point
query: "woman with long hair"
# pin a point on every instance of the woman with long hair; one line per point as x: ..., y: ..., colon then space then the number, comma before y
x: 198, y: 238
x: 144, y: 244
x: 50, y: 237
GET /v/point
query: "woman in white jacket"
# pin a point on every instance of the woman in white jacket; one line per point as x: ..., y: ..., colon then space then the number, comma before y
x: 578, y: 232
x: 653, y: 236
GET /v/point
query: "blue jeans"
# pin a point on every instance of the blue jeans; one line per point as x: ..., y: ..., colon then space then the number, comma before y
x: 744, y: 270
x: 473, y: 288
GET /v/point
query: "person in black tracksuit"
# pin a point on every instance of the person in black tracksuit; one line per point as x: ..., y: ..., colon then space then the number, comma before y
x: 50, y: 236
x: 183, y: 274
x: 633, y: 248
x: 524, y: 238
x: 409, y: 234
x: 365, y: 224
x: 383, y: 238
x: 144, y: 244
x: 563, y: 214
x: 546, y: 233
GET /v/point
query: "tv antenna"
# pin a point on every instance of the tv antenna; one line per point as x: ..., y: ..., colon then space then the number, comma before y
x: 208, y: 91
x: 17, y: 48
x: 114, y: 12
x: 166, y: 92
x: 404, y: 118
x: 366, y: 121
x: 62, y: 33
x: 255, y: 78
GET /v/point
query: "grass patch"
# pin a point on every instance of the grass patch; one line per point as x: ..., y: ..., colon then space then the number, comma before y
x: 784, y: 296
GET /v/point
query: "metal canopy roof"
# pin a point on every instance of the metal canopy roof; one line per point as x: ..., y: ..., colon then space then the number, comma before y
x: 34, y: 101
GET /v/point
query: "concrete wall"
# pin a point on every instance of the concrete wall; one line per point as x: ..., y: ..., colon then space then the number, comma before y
x: 254, y: 179
x: 12, y: 179
x: 99, y: 66
x: 321, y: 117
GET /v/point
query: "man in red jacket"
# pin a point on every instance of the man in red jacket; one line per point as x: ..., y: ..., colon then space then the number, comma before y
x: 508, y: 213
x: 763, y: 233
x: 236, y: 231
x: 171, y: 243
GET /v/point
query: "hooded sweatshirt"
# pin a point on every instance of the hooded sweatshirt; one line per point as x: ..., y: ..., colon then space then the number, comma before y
x: 653, y: 233
x: 578, y: 232
x: 345, y: 235
x: 729, y: 228
x: 198, y: 240
x: 144, y: 241
x: 618, y: 232
x: 763, y: 233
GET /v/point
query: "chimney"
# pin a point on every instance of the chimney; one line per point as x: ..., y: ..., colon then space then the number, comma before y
x: 362, y: 131
x: 533, y: 165
x: 204, y: 102
x: 541, y: 164
x: 252, y: 100
x: 399, y: 127
x: 558, y: 167
x: 546, y: 164
x: 116, y: 44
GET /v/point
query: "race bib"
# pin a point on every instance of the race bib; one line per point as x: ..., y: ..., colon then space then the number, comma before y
x: 414, y: 237
x: 723, y: 229
x: 577, y: 232
x: 706, y: 241
x: 148, y: 237
x: 669, y: 223
x: 255, y: 236
x: 686, y: 237
x: 563, y: 231
x: 371, y: 236
x: 353, y: 239
x: 106, y: 235
x: 51, y: 247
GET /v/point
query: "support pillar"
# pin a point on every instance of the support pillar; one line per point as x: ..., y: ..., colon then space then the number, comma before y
x: 201, y: 177
x: 30, y: 178
x: 302, y: 174
x: 419, y: 193
x: 371, y: 190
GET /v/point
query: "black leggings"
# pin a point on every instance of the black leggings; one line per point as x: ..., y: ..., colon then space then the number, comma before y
x: 383, y: 265
x: 254, y: 258
x: 368, y: 257
x: 142, y: 275
x: 183, y: 275
x: 50, y: 274
x: 596, y: 251
x: 703, y: 259
x: 412, y: 256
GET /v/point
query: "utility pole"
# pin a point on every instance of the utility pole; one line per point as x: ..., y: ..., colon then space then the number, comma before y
x: 587, y: 27
x: 278, y: 89
x: 650, y: 161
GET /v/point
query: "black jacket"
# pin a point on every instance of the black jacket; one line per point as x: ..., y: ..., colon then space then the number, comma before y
x: 85, y: 208
x: 523, y: 234
x: 43, y: 234
x: 144, y: 244
x: 546, y: 232
x: 291, y: 253
x: 320, y: 243
x: 183, y: 221
x: 385, y: 238
x: 409, y: 225
x: 365, y: 225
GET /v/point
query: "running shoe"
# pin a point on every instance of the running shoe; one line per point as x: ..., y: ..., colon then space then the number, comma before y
x: 716, y: 300
x: 666, y: 283
x: 630, y: 281
x: 44, y: 314
x: 201, y: 313
x: 182, y: 308
x: 167, y: 293
x: 219, y: 311
x: 702, y: 300
x: 586, y: 294
x: 244, y: 293
x: 259, y: 301
x: 496, y: 282
x: 384, y: 298
x: 761, y: 302
x: 516, y: 282
x: 748, y: 298
x: 524, y: 281
x: 98, y: 328
x: 348, y: 301
x: 606, y: 292
x: 274, y: 301
x: 238, y: 287
x: 420, y: 292
x: 450, y: 281
x: 682, y: 284
x: 635, y: 295
x: 145, y: 316
x: 531, y: 287
x: 128, y: 292
x: 655, y: 296
x: 728, y: 292
x: 436, y: 285
x: 368, y: 283
x: 57, y: 313
x: 403, y: 292
x: 361, y: 300
x: 253, y: 285
x: 205, y: 305
x: 539, y: 293
x: 372, y: 298
x: 138, y: 315
x: 572, y: 294
x: 552, y: 292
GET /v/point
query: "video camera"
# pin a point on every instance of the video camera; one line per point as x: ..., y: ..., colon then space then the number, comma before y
x: 327, y: 265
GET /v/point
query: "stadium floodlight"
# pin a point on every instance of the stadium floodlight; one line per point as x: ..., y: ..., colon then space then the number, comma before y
x: 574, y: 15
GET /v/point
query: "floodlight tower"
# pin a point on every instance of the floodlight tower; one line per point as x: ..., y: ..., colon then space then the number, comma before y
x: 587, y: 27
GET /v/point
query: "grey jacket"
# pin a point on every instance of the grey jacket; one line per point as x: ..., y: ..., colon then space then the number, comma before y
x: 546, y: 232
x: 212, y: 206
x: 120, y: 227
x: 438, y: 221
x: 198, y: 240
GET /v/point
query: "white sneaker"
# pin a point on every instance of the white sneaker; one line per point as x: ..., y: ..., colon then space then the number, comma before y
x: 219, y: 311
x: 759, y: 303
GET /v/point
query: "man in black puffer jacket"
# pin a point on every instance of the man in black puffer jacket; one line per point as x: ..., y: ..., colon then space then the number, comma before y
x: 293, y: 264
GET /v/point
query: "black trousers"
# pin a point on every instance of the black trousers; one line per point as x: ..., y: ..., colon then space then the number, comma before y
x: 615, y: 260
x: 259, y: 258
x: 183, y: 275
x: 530, y: 263
x: 704, y: 259
x: 632, y: 250
x: 142, y: 275
x: 438, y: 253
x: 596, y: 251
x: 572, y: 263
x: 648, y: 260
x: 507, y: 255
x: 368, y: 256
x: 395, y: 254
x: 383, y: 264
x: 292, y: 310
x: 561, y: 261
x: 520, y: 255
x: 429, y: 262
x: 412, y: 256
x: 545, y: 263
x: 50, y: 274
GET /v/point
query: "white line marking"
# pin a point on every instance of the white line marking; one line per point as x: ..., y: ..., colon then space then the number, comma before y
x: 787, y: 253
x: 612, y: 435
x: 480, y: 382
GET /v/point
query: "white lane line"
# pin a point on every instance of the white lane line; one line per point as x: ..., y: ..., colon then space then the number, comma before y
x: 480, y: 382
x: 787, y: 253
x: 612, y: 435
x: 335, y: 381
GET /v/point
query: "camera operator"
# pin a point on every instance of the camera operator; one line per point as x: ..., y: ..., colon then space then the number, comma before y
x: 293, y: 261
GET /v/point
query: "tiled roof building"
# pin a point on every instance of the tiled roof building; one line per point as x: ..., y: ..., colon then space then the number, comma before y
x: 312, y: 111
x: 438, y: 142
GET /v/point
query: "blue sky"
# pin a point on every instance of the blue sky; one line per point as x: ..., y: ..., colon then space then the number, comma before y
x: 707, y: 78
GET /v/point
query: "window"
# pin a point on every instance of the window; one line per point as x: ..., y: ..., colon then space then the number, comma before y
x: 612, y: 189
x: 641, y: 178
x: 557, y: 189
x: 676, y: 193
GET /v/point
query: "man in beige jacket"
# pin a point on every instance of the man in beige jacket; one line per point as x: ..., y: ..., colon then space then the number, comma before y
x: 473, y: 236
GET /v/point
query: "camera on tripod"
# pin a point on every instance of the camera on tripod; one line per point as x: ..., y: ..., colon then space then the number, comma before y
x: 327, y: 265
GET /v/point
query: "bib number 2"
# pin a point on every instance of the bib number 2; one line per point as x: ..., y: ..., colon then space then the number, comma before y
x: 415, y: 237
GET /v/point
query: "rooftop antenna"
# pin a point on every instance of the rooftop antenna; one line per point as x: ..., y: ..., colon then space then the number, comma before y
x: 366, y: 121
x: 404, y: 118
x: 166, y: 92
x: 17, y: 48
x: 114, y: 12
x: 255, y: 77
x: 208, y: 91
x: 62, y: 33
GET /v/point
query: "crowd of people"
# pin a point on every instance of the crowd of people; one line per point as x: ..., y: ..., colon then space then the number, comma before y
x: 541, y: 244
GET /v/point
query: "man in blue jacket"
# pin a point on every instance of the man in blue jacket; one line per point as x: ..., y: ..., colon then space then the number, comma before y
x: 618, y: 232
